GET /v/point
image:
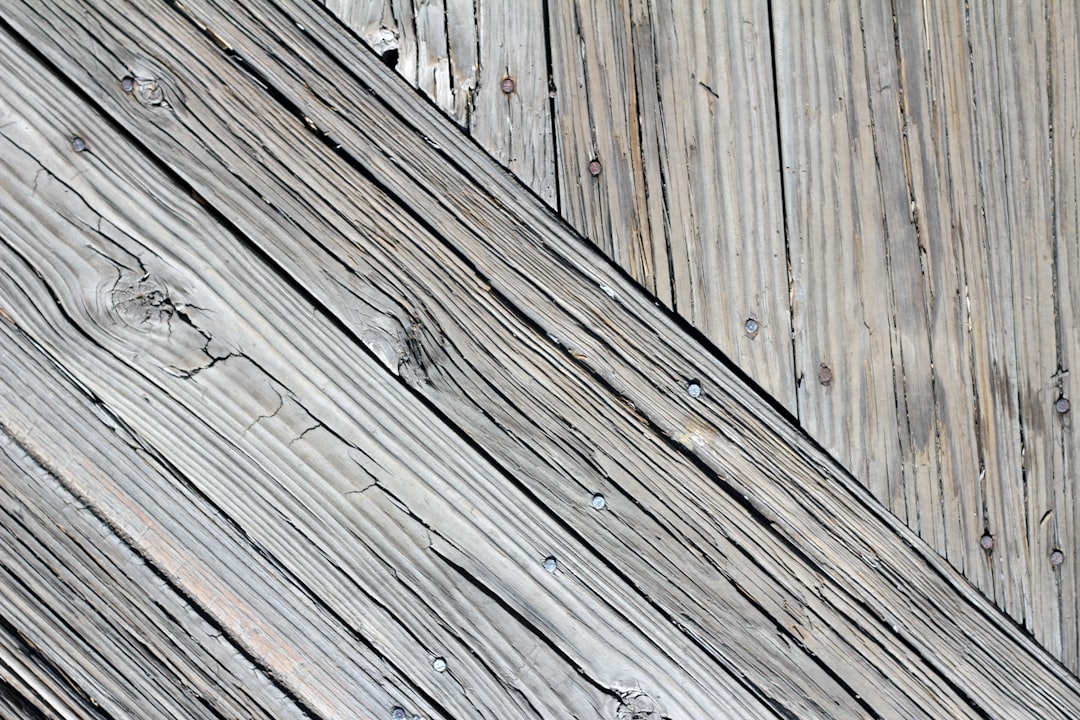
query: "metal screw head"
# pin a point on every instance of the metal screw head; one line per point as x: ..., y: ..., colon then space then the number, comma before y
x: 595, y: 167
x: 694, y: 389
x: 599, y: 501
x: 439, y: 664
x: 127, y: 84
x: 1062, y: 405
x: 986, y: 542
x: 550, y: 564
x: 751, y: 326
x: 508, y: 85
x: 824, y: 374
x: 1057, y: 557
x: 398, y: 713
x: 78, y: 144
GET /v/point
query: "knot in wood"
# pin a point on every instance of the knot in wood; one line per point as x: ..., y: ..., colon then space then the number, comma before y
x: 636, y: 705
x: 141, y: 303
x: 149, y: 92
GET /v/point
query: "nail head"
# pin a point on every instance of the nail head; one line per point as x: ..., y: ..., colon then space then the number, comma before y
x: 1062, y: 405
x: 78, y: 144
x: 824, y: 374
x: 595, y: 167
x: 694, y: 389
x: 550, y: 564
x: 1057, y: 557
x: 439, y: 664
x: 398, y: 713
x: 508, y: 85
x: 127, y: 84
x: 599, y: 501
x: 987, y: 542
x: 751, y: 326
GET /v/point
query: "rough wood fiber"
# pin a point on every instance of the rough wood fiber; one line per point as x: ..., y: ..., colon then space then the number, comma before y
x: 722, y: 479
x: 945, y: 375
x: 460, y: 53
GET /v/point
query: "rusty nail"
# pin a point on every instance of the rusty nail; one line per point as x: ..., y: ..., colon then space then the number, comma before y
x: 595, y: 167
x: 824, y: 374
x: 751, y: 326
x: 1062, y: 405
x: 987, y: 542
x: 439, y: 664
x: 508, y: 85
x: 78, y: 144
x: 1057, y: 557
x: 127, y: 84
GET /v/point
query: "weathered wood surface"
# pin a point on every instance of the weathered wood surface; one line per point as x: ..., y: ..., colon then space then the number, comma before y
x: 736, y: 570
x: 929, y: 162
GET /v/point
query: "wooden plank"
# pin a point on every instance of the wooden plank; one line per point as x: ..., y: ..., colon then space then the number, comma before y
x: 1061, y: 530
x: 738, y: 472
x: 676, y: 104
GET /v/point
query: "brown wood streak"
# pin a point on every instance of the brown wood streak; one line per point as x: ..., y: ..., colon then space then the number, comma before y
x: 805, y: 542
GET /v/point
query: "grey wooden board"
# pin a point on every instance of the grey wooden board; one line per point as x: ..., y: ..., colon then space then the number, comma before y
x: 858, y: 577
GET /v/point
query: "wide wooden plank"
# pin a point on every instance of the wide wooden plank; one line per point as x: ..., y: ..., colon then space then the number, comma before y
x: 733, y: 475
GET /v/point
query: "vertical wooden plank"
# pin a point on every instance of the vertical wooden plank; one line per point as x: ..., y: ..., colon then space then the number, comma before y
x: 668, y: 161
x: 1059, y: 528
x: 836, y: 197
x: 715, y: 120
x: 512, y: 116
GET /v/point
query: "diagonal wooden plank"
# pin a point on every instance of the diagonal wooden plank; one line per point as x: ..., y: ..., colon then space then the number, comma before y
x: 111, y: 628
x: 321, y: 477
x: 863, y: 569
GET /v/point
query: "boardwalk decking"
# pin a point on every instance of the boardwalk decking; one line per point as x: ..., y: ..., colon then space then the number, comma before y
x: 872, y: 208
x: 310, y: 409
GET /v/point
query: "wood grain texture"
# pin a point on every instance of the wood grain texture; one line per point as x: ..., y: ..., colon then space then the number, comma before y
x: 558, y: 368
x: 944, y: 376
x: 930, y: 320
x: 412, y: 544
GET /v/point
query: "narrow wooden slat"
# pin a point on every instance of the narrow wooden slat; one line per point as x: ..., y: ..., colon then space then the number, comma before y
x: 745, y: 476
x: 1062, y: 529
